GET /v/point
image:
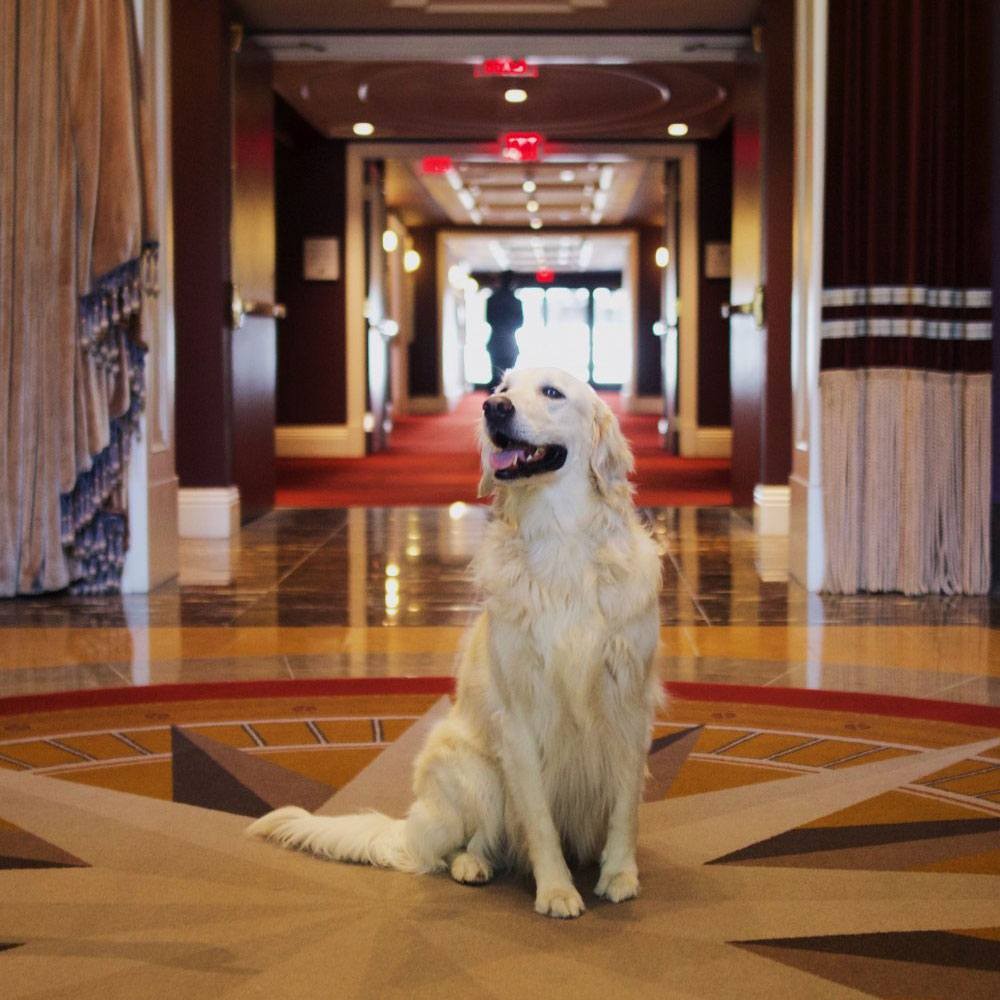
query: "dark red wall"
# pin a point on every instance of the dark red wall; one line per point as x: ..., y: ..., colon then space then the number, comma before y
x: 310, y: 180
x: 200, y: 132
x: 779, y: 185
x: 424, y: 346
x: 995, y: 229
x: 649, y: 372
x: 715, y: 222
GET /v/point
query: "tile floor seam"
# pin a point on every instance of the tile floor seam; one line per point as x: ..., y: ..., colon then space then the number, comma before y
x: 690, y: 590
x: 292, y: 569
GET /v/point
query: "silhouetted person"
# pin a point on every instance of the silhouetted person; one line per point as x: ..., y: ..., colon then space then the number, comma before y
x: 505, y: 317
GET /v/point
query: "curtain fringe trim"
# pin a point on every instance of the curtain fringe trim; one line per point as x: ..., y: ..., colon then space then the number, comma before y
x: 93, y: 521
x: 116, y: 297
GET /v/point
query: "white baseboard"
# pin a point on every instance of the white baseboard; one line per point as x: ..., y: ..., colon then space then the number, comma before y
x: 316, y: 441
x: 152, y: 555
x: 771, y: 505
x: 713, y: 442
x: 428, y: 404
x: 208, y: 512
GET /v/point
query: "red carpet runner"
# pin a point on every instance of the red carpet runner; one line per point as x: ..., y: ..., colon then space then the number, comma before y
x: 433, y: 460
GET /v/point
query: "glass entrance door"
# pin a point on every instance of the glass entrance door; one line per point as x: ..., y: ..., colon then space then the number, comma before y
x: 584, y: 331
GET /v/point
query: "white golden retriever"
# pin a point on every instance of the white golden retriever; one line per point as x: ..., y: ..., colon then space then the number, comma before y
x: 542, y: 757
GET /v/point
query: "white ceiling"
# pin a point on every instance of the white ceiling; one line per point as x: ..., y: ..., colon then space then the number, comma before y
x: 527, y: 252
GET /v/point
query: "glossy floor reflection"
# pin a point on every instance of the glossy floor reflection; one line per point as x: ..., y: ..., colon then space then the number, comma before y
x: 387, y: 592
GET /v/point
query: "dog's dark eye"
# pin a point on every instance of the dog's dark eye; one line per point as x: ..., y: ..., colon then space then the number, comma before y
x: 502, y: 388
x: 552, y: 392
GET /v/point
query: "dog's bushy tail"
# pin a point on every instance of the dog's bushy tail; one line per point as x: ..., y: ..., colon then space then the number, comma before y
x: 365, y: 838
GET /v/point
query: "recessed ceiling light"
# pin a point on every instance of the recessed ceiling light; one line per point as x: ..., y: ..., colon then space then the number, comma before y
x: 535, y: 223
x: 566, y: 176
x: 528, y: 187
x: 677, y: 129
x: 515, y: 95
x: 363, y: 128
x: 532, y: 205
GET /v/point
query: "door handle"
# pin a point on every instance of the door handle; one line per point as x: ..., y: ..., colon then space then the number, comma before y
x: 755, y: 307
x: 241, y: 308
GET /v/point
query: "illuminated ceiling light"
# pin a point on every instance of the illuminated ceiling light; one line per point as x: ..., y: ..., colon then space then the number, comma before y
x: 677, y: 129
x: 476, y: 216
x: 607, y: 175
x: 566, y: 176
x: 390, y: 241
x: 499, y: 255
x: 535, y: 223
x: 468, y: 202
x: 662, y: 256
x: 595, y: 218
x: 601, y: 200
x: 391, y: 569
x: 515, y: 95
x: 457, y: 510
x: 451, y: 176
x: 529, y: 186
x: 363, y: 128
x: 411, y: 261
x: 532, y: 205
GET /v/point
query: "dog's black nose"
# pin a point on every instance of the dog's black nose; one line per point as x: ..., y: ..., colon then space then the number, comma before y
x: 498, y: 409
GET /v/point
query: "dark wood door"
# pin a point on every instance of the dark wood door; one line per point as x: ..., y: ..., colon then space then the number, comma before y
x: 669, y: 315
x: 254, y: 349
x: 376, y: 308
x: 746, y: 334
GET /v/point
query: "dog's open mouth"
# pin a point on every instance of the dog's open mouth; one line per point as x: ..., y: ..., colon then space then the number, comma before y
x: 519, y: 459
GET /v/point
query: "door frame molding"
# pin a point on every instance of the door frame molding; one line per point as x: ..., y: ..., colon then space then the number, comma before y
x: 686, y: 153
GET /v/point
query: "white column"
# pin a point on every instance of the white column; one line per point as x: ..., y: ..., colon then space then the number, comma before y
x: 152, y: 482
x: 806, y: 546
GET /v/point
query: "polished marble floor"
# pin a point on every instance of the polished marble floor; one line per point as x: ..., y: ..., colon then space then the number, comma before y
x: 387, y: 592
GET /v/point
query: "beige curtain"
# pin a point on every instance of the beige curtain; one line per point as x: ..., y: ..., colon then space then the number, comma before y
x: 75, y: 263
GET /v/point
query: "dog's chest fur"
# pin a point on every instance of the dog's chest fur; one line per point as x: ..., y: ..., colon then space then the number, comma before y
x: 557, y: 606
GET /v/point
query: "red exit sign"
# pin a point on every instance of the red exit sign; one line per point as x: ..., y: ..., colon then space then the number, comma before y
x: 436, y: 164
x: 521, y: 147
x: 505, y: 66
x: 545, y: 276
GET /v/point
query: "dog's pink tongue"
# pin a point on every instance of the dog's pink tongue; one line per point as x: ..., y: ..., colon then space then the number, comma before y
x: 504, y: 459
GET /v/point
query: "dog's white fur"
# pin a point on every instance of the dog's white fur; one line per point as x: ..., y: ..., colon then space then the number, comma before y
x: 542, y: 756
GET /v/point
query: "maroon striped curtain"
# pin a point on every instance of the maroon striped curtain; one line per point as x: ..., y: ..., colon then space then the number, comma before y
x: 906, y: 351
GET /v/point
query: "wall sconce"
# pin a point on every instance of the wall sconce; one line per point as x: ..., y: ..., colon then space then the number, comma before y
x: 662, y: 257
x: 411, y: 261
x: 390, y: 241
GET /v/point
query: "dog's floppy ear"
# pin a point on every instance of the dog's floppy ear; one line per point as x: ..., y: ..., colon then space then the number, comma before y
x: 610, y: 457
x: 487, y: 484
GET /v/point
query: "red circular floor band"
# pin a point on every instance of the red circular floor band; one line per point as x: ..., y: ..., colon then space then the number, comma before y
x: 832, y: 701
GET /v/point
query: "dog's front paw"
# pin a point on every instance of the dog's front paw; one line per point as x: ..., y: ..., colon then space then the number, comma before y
x: 470, y: 868
x: 618, y: 886
x: 561, y: 901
